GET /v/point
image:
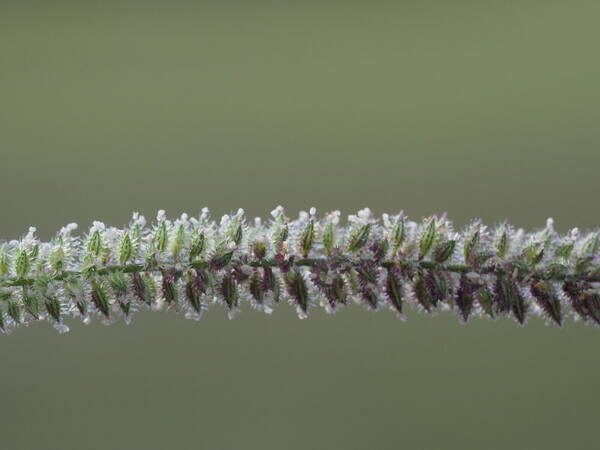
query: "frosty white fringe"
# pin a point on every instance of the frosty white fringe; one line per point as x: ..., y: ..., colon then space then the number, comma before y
x: 191, y: 263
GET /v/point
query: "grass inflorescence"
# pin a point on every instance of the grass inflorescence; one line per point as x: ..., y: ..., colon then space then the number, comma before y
x: 191, y: 263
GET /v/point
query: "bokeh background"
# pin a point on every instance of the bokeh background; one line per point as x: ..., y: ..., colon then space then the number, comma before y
x: 480, y: 109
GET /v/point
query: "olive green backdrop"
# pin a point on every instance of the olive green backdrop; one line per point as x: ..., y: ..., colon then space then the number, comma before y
x: 482, y: 109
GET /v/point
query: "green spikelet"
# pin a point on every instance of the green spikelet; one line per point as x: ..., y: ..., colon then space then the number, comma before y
x: 259, y: 250
x: 564, y: 250
x: 125, y: 249
x: 307, y: 238
x: 14, y: 311
x: 422, y: 293
x: 444, y: 251
x: 590, y: 246
x: 297, y: 289
x: 169, y: 288
x: 139, y: 288
x: 219, y: 261
x: 125, y: 307
x: 32, y: 304
x: 192, y: 295
x: 533, y: 253
x: 256, y: 288
x: 57, y: 259
x: 508, y: 298
x: 485, y: 298
x: 280, y: 235
x: 229, y: 291
x: 197, y: 246
x: 100, y: 298
x: 359, y: 239
x: 136, y: 239
x: 94, y: 243
x: 465, y: 297
x: 4, y: 261
x: 53, y: 308
x: 178, y: 242
x: 34, y: 252
x: 503, y: 294
x: 548, y: 301
x: 328, y: 237
x: 238, y: 234
x: 143, y: 287
x: 118, y: 283
x: 151, y: 288
x: 22, y: 264
x: 394, y: 290
x: 519, y: 307
x: 471, y: 246
x: 427, y: 238
x: 398, y: 234
x: 82, y: 307
x: 502, y: 245
x: 437, y: 285
x: 370, y: 298
x: 161, y: 238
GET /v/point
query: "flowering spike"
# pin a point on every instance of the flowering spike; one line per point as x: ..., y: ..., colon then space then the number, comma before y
x: 183, y: 263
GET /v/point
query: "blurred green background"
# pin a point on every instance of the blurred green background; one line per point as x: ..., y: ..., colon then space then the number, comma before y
x: 480, y: 109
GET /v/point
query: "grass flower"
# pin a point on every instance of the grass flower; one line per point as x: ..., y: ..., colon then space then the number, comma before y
x: 192, y: 263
